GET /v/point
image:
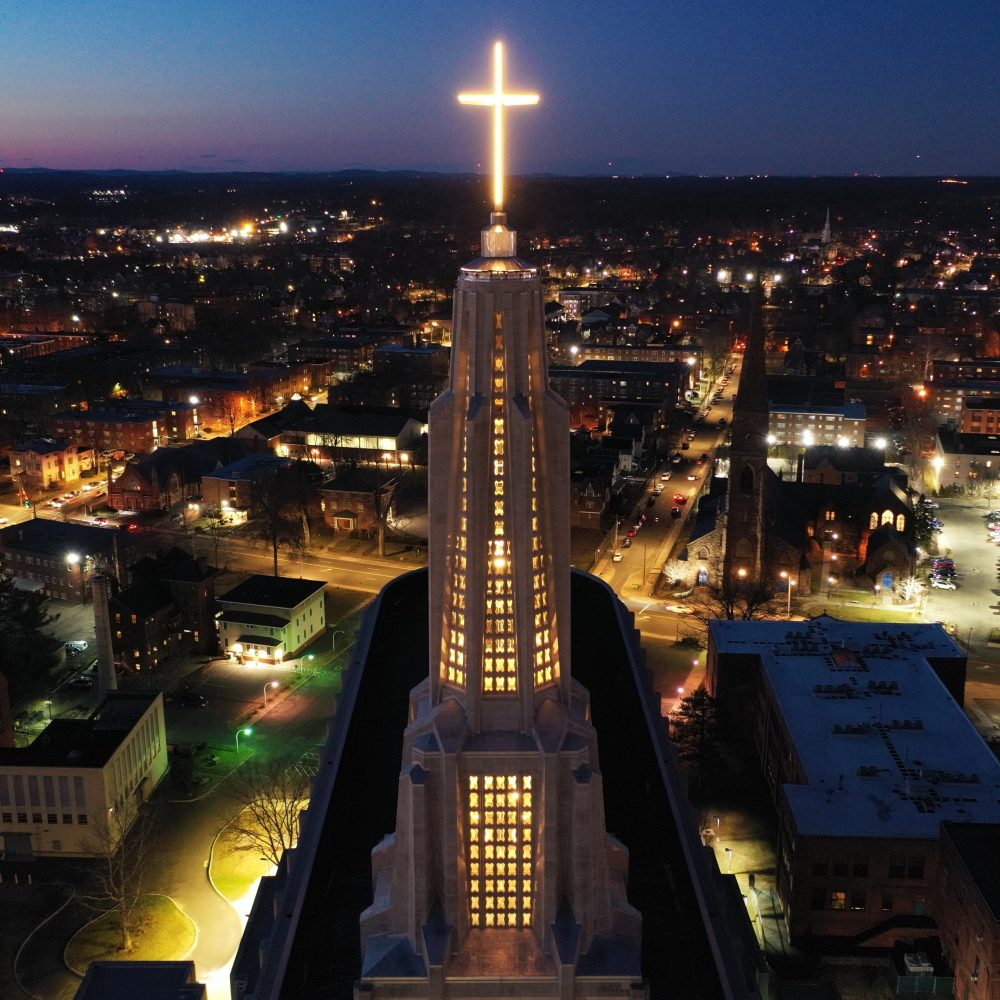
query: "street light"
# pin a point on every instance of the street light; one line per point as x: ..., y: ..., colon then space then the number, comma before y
x: 729, y: 852
x: 270, y: 685
x: 48, y: 706
x: 73, y: 559
x: 789, y: 583
x: 245, y: 731
x: 336, y: 632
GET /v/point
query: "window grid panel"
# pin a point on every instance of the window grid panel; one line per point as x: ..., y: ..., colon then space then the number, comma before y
x: 500, y: 850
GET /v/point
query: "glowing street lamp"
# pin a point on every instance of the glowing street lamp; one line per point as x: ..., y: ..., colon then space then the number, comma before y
x: 245, y: 731
x: 270, y: 686
x: 789, y: 583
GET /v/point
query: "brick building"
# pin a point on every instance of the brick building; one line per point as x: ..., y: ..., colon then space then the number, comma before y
x: 60, y: 557
x: 594, y: 386
x: 232, y: 485
x: 980, y: 415
x: 865, y: 752
x: 169, y: 475
x: 354, y: 500
x: 137, y: 426
x: 966, y: 905
x: 167, y: 610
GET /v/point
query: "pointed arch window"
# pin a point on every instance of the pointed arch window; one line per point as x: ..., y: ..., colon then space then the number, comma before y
x: 887, y: 517
x: 873, y: 521
x: 901, y: 523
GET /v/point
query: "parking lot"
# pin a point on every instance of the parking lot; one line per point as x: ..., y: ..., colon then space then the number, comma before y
x: 972, y: 607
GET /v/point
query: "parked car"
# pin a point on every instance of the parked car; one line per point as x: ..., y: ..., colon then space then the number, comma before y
x: 83, y: 681
x: 679, y: 498
x: 943, y: 583
x: 617, y: 556
x: 191, y: 699
x: 675, y: 512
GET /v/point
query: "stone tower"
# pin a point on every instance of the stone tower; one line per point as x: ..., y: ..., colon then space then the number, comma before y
x: 500, y: 869
x: 747, y: 498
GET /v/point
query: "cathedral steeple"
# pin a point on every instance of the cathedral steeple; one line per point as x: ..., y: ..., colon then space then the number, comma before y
x: 746, y: 515
x: 827, y: 236
x: 500, y: 865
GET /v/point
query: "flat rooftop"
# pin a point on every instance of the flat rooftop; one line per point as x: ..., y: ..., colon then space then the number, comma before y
x: 83, y: 743
x: 272, y: 591
x: 886, y: 750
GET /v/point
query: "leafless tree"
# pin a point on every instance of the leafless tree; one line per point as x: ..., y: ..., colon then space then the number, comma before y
x: 271, y: 793
x: 126, y: 841
x: 736, y: 600
x: 282, y: 504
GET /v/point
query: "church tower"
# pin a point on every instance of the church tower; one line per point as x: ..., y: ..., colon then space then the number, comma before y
x: 826, y: 237
x: 745, y: 556
x: 500, y: 868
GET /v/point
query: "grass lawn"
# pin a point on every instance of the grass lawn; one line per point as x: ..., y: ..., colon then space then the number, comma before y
x: 234, y: 871
x: 340, y: 602
x: 162, y: 933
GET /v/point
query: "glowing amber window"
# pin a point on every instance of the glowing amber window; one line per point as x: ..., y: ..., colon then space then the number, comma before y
x: 500, y: 846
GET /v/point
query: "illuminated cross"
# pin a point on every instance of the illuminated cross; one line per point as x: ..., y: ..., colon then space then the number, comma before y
x: 498, y: 100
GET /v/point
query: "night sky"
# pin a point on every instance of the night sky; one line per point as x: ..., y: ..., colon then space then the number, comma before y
x: 760, y: 86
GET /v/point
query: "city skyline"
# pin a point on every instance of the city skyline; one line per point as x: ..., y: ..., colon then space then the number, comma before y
x: 662, y: 88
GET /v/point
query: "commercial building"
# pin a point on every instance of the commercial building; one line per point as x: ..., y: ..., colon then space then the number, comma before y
x: 866, y: 752
x: 268, y: 619
x: 70, y: 791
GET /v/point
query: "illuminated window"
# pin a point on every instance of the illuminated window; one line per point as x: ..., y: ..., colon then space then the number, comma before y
x: 887, y: 517
x: 873, y: 521
x: 900, y: 522
x: 500, y: 850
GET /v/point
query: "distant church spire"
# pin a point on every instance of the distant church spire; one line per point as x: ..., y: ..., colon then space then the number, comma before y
x: 827, y: 238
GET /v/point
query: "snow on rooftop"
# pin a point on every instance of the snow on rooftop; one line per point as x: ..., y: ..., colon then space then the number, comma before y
x: 886, y: 751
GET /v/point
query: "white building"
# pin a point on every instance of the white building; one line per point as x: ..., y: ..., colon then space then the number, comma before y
x: 56, y: 794
x: 267, y: 619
